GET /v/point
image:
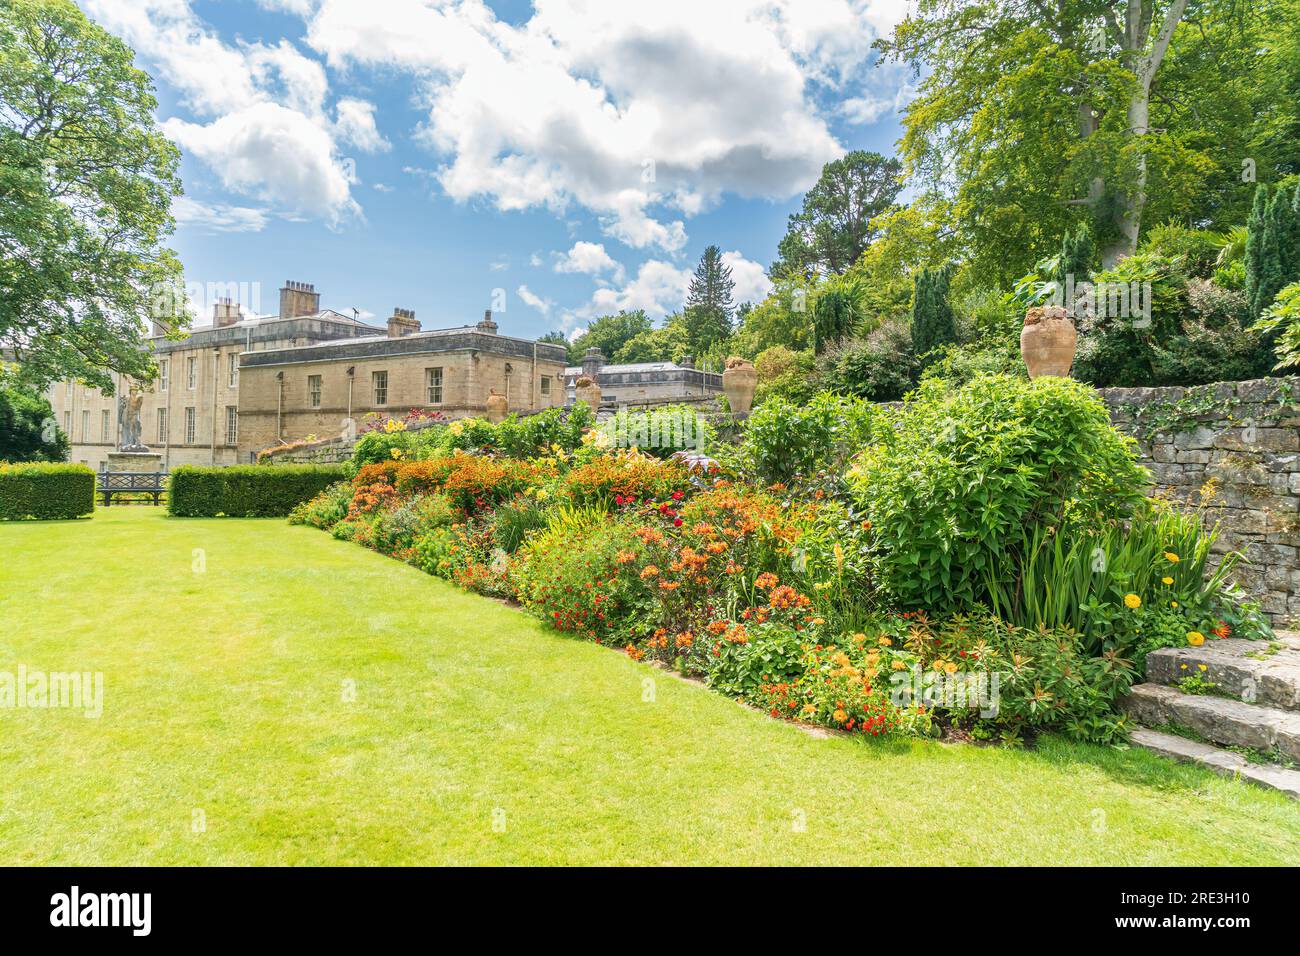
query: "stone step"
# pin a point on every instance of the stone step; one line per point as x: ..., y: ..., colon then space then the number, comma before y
x: 1246, y: 670
x: 1217, y: 719
x: 1223, y: 762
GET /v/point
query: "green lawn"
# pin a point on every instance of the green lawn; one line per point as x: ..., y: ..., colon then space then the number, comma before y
x: 224, y: 693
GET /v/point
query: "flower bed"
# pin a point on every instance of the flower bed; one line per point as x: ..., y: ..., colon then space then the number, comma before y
x: 962, y: 573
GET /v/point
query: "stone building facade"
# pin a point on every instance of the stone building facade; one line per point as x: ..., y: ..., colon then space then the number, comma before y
x: 242, y: 384
x: 291, y: 393
x: 643, y: 381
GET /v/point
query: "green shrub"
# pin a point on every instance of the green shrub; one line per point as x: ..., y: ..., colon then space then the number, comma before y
x: 878, y: 366
x: 325, y: 510
x: 965, y: 473
x: 246, y: 491
x: 46, y: 490
x: 784, y: 441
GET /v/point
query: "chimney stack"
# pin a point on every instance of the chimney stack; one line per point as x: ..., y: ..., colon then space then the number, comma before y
x: 225, y: 312
x: 402, y: 322
x: 591, y: 363
x: 688, y: 361
x: 298, y: 298
x: 487, y: 325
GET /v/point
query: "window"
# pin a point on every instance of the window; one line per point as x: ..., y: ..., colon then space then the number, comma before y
x: 232, y: 370
x: 379, y: 381
x: 546, y: 386
x: 85, y: 425
x: 433, y: 386
x: 69, y: 388
x: 191, y: 371
x: 189, y: 424
x: 313, y: 390
x: 164, y: 378
x: 162, y: 426
x: 232, y: 424
x: 67, y: 424
x: 103, y: 426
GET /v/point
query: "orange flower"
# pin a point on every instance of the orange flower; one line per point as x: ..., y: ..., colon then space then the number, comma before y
x: 649, y: 571
x: 766, y: 580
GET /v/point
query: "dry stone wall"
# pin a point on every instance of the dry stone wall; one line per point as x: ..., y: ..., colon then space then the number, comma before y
x: 1234, y: 446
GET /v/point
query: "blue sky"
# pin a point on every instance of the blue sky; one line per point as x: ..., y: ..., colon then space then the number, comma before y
x: 564, y: 158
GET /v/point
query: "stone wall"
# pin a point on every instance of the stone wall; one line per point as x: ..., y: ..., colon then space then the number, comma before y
x: 1234, y: 446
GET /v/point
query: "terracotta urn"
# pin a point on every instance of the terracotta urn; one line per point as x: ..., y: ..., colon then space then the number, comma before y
x: 586, y: 390
x: 1047, y: 341
x: 738, y: 382
x: 497, y: 407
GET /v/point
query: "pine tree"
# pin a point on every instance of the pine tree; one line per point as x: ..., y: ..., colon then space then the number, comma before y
x: 709, y: 306
x: 932, y: 319
x: 1261, y: 253
x: 1076, y: 256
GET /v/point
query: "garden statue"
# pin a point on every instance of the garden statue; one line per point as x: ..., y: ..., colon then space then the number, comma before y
x: 128, y: 420
x: 1047, y: 341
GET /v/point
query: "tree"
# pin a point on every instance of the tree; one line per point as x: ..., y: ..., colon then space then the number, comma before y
x: 554, y: 337
x: 834, y: 226
x: 709, y: 306
x: 27, y: 428
x: 1272, y: 245
x: 837, y: 313
x: 86, y: 183
x: 780, y: 319
x: 609, y: 333
x: 932, y: 319
x: 1031, y: 111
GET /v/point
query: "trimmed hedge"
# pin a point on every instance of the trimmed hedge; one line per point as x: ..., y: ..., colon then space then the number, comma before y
x: 246, y: 491
x: 46, y: 490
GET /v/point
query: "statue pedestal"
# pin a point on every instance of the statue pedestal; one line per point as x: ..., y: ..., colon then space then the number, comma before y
x: 138, y: 462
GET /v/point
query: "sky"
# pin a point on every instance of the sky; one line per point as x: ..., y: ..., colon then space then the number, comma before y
x: 553, y: 161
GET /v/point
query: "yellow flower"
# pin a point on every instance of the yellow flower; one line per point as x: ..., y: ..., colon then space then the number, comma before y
x: 840, y: 716
x: 898, y: 666
x: 1195, y: 638
x: 1166, y: 580
x: 1201, y: 667
x: 1173, y: 604
x: 1132, y: 600
x: 1182, y: 667
x: 1171, y: 557
x: 885, y: 642
x: 950, y: 667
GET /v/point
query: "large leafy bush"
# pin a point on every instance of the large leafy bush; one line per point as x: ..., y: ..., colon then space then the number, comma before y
x: 785, y: 442
x: 953, y: 486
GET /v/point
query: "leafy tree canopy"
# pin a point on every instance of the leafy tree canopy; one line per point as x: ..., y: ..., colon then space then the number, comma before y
x: 86, y: 183
x: 834, y: 226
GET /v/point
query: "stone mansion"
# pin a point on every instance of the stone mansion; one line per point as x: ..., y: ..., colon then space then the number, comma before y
x: 242, y: 384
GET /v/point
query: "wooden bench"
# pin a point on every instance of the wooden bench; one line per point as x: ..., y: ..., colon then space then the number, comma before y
x: 151, y: 483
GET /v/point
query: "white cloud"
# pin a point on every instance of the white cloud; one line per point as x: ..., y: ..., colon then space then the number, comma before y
x: 632, y: 111
x: 659, y: 287
x: 588, y: 258
x: 356, y: 125
x: 535, y: 301
x: 259, y: 111
x: 217, y: 217
x: 273, y: 153
x: 752, y: 283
